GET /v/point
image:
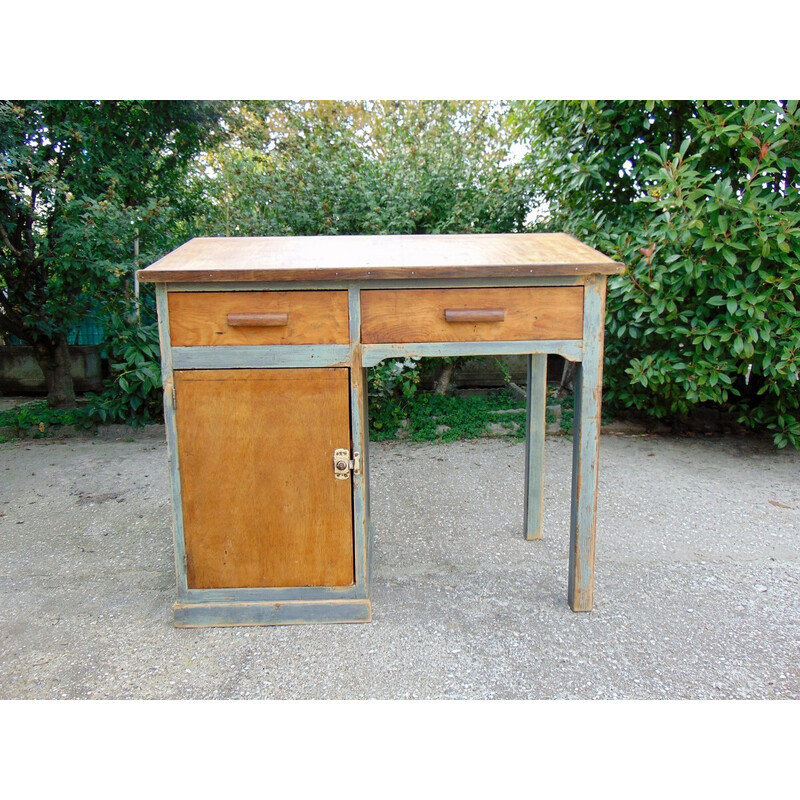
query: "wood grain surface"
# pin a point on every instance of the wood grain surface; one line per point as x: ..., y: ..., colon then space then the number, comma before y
x: 260, y: 504
x: 419, y: 315
x: 318, y: 258
x: 219, y: 318
x: 260, y: 319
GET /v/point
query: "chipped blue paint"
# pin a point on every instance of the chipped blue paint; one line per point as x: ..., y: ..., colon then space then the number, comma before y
x: 293, y: 612
x: 358, y: 430
x: 585, y: 449
x: 260, y: 356
x: 172, y: 438
x: 292, y: 605
x: 373, y: 354
x: 534, y: 445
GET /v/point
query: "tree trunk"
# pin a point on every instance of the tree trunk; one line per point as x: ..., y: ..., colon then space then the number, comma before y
x: 567, y: 377
x: 54, y: 359
x: 442, y: 382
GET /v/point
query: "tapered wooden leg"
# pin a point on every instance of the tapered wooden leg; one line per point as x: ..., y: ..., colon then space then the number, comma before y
x: 585, y: 446
x: 534, y: 444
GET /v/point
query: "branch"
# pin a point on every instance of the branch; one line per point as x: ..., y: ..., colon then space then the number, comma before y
x: 10, y: 320
x: 28, y: 228
x: 17, y: 253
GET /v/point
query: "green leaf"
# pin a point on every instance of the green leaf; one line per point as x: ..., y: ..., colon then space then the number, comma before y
x: 729, y: 256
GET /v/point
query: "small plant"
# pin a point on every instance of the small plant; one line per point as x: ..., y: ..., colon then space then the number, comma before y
x: 392, y: 385
x: 430, y: 417
x: 133, y: 392
x: 568, y: 413
x: 37, y: 419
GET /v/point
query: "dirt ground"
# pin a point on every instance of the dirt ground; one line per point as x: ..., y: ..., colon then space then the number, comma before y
x: 697, y: 579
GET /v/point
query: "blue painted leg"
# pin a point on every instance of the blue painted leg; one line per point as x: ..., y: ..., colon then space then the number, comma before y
x: 534, y: 445
x: 585, y: 445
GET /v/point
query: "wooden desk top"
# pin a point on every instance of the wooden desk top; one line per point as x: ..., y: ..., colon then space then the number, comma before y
x: 321, y: 258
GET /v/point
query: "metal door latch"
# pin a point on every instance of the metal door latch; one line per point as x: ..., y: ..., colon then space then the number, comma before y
x: 342, y: 464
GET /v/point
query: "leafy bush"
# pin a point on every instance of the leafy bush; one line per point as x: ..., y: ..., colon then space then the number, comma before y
x: 133, y: 392
x: 38, y: 419
x: 377, y: 167
x: 392, y: 384
x: 78, y: 185
x: 426, y: 417
x: 702, y: 203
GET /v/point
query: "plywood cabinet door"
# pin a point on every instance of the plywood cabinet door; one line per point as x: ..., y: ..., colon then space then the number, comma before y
x: 260, y: 504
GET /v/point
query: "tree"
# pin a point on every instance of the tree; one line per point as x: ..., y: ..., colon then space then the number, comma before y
x: 308, y: 168
x: 701, y: 200
x: 79, y: 180
x: 377, y: 167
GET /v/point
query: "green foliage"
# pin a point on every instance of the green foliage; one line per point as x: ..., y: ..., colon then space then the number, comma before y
x: 37, y: 419
x: 701, y: 201
x: 132, y: 394
x: 309, y: 168
x: 427, y: 417
x: 392, y: 385
x: 79, y: 182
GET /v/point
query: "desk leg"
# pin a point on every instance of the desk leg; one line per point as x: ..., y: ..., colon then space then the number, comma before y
x: 360, y: 435
x: 585, y: 445
x: 534, y: 444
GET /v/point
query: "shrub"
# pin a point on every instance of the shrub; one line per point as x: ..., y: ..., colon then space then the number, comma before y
x: 132, y: 394
x: 702, y: 203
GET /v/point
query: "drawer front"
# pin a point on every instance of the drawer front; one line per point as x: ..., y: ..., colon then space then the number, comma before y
x: 472, y: 315
x: 258, y: 318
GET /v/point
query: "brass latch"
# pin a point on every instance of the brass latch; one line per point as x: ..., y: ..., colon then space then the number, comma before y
x: 342, y: 464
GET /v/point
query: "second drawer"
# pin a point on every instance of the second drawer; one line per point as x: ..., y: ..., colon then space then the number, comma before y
x: 258, y: 318
x: 471, y: 315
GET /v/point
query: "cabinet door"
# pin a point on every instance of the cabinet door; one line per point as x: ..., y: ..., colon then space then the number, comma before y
x: 261, y: 506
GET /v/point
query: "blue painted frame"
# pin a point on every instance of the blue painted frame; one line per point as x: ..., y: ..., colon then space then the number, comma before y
x: 290, y: 605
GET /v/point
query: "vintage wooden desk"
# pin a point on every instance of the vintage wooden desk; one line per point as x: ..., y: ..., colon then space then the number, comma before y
x: 265, y: 344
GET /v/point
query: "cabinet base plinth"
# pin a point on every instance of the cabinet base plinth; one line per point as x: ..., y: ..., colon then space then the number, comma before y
x: 289, y: 612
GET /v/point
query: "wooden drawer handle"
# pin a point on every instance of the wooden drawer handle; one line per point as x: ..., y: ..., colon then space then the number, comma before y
x: 474, y: 314
x: 259, y: 320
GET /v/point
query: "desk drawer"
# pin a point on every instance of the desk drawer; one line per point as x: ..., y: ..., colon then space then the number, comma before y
x: 258, y: 318
x: 471, y: 315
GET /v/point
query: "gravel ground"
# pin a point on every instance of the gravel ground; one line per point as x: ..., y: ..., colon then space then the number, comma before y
x: 696, y: 590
